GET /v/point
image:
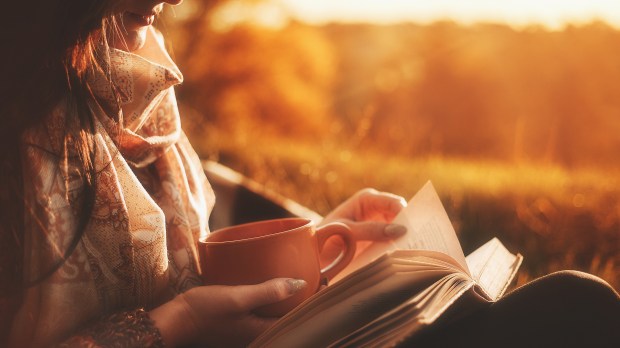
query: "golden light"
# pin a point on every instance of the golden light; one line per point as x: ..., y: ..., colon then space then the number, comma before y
x: 551, y: 13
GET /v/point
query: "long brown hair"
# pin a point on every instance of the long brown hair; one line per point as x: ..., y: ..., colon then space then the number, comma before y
x: 49, y: 46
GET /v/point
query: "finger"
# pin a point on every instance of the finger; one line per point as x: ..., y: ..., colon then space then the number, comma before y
x: 376, y: 230
x: 274, y: 290
x: 381, y: 206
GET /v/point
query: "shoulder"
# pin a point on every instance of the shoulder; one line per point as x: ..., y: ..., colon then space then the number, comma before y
x: 48, y: 135
x: 56, y: 129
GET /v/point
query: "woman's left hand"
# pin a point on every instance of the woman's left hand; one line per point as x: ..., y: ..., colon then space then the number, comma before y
x: 368, y: 214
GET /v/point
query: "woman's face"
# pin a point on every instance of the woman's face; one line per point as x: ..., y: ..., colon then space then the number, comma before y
x: 134, y: 17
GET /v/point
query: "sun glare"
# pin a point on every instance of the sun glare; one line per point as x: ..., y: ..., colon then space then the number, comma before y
x: 551, y: 13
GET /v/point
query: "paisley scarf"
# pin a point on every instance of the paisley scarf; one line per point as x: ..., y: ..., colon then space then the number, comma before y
x: 152, y: 203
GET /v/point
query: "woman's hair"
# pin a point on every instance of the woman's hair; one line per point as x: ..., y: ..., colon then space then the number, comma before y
x: 49, y: 47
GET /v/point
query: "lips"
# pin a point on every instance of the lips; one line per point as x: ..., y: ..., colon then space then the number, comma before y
x: 138, y: 19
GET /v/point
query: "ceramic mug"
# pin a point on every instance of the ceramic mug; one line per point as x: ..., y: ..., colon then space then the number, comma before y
x: 282, y: 248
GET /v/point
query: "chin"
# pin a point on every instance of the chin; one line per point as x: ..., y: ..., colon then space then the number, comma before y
x: 132, y: 40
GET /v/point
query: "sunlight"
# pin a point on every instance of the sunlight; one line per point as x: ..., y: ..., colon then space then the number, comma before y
x: 552, y: 13
x: 266, y: 14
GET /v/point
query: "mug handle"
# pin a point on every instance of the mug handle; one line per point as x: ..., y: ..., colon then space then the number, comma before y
x: 323, y: 234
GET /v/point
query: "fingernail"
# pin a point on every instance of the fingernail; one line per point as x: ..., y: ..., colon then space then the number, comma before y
x: 394, y: 230
x: 294, y: 285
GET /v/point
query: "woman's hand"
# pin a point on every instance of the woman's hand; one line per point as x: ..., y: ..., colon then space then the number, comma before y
x: 221, y: 316
x: 368, y: 213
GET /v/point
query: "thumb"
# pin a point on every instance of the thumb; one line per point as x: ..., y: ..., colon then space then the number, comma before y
x: 271, y: 291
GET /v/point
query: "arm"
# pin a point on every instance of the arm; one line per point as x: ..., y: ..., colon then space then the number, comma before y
x: 7, y: 312
x: 125, y: 329
x: 220, y: 316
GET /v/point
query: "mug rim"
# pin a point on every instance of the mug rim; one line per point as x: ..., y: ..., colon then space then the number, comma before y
x: 203, y: 240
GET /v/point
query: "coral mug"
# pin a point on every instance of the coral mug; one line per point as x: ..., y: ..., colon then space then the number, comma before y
x: 282, y: 248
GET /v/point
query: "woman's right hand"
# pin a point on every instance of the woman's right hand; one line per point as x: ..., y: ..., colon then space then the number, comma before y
x: 220, y: 316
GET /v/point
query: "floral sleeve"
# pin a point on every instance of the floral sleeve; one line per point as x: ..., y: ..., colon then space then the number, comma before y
x: 126, y: 329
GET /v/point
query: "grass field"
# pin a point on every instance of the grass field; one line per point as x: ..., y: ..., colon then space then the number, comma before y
x: 557, y: 219
x: 512, y: 126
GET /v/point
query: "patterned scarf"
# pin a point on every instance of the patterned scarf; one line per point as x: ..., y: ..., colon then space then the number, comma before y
x: 152, y: 204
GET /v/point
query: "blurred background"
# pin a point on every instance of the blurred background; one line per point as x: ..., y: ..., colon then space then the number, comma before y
x: 510, y: 108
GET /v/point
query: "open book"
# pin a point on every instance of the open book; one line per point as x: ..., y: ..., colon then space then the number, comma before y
x: 393, y: 290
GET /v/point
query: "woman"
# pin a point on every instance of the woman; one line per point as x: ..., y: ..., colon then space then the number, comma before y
x: 113, y: 195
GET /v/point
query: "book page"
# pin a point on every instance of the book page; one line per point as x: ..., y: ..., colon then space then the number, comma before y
x: 393, y: 320
x: 493, y: 267
x: 363, y: 296
x: 428, y: 228
x: 351, y: 312
x: 405, y: 319
x: 434, y: 258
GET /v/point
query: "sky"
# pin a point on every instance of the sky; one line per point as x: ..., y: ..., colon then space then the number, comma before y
x: 552, y: 13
